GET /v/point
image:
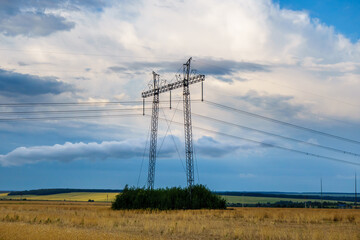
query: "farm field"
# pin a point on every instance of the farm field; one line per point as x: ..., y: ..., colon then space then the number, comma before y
x: 83, y: 220
x: 254, y: 200
x: 3, y: 194
x: 74, y: 196
x: 103, y: 197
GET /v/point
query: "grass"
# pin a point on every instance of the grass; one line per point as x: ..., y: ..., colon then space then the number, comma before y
x: 75, y: 196
x: 83, y: 220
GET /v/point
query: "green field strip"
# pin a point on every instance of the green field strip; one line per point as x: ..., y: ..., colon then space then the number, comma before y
x: 254, y: 200
x: 74, y: 196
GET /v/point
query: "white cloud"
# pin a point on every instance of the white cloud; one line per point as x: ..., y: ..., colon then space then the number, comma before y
x: 127, y: 149
x: 310, y: 66
x: 73, y: 151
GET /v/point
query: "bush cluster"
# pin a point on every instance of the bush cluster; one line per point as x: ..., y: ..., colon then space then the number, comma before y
x: 168, y: 198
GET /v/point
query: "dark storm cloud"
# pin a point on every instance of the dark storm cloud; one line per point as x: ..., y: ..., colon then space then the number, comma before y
x: 13, y: 84
x: 219, y: 68
x: 34, y: 24
x: 29, y: 17
x: 12, y: 7
x: 227, y: 67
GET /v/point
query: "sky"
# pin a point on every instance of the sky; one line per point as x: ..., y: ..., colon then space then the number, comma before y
x: 272, y: 68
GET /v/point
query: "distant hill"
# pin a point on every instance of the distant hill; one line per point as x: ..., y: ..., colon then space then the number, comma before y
x: 60, y: 190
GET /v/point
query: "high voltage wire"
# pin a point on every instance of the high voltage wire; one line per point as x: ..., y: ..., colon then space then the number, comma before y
x: 80, y: 103
x: 65, y: 103
x: 75, y: 111
x: 272, y: 145
x: 89, y: 54
x: 282, y: 122
x: 200, y: 128
x: 134, y: 109
x: 65, y: 117
x: 276, y: 135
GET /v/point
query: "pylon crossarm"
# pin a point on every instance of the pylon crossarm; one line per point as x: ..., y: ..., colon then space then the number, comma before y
x: 174, y: 85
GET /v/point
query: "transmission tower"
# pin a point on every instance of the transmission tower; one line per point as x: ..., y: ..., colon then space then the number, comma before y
x: 187, y: 126
x: 154, y: 128
x: 155, y: 92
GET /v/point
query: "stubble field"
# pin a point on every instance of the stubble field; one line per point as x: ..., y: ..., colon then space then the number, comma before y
x: 67, y: 220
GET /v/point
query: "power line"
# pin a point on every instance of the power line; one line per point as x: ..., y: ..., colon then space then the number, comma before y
x: 273, y: 145
x: 89, y: 54
x: 172, y: 136
x: 198, y: 115
x: 73, y: 111
x: 80, y: 103
x: 282, y: 122
x: 64, y: 117
x: 142, y: 161
x: 65, y: 103
x: 277, y: 135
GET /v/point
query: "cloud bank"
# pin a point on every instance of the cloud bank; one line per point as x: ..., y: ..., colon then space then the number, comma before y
x: 127, y: 149
x: 72, y: 151
x: 13, y: 84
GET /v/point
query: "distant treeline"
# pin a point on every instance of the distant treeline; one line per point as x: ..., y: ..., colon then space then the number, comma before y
x: 169, y: 198
x: 291, y: 204
x: 60, y: 190
x: 345, y: 197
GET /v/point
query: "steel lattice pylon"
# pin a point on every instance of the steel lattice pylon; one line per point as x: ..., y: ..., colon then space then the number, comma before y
x: 188, y: 127
x: 154, y: 128
x: 155, y: 92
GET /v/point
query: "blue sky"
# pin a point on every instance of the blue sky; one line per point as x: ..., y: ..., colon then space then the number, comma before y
x: 342, y: 15
x: 293, y: 61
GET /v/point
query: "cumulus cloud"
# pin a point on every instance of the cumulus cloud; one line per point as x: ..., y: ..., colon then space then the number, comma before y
x: 14, y: 84
x: 254, y: 42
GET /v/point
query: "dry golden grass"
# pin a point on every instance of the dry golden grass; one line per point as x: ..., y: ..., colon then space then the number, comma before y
x: 65, y: 220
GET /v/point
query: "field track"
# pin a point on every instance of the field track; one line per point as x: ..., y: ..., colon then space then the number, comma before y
x: 83, y: 220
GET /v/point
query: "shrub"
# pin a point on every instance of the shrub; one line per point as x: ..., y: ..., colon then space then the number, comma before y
x: 169, y: 198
